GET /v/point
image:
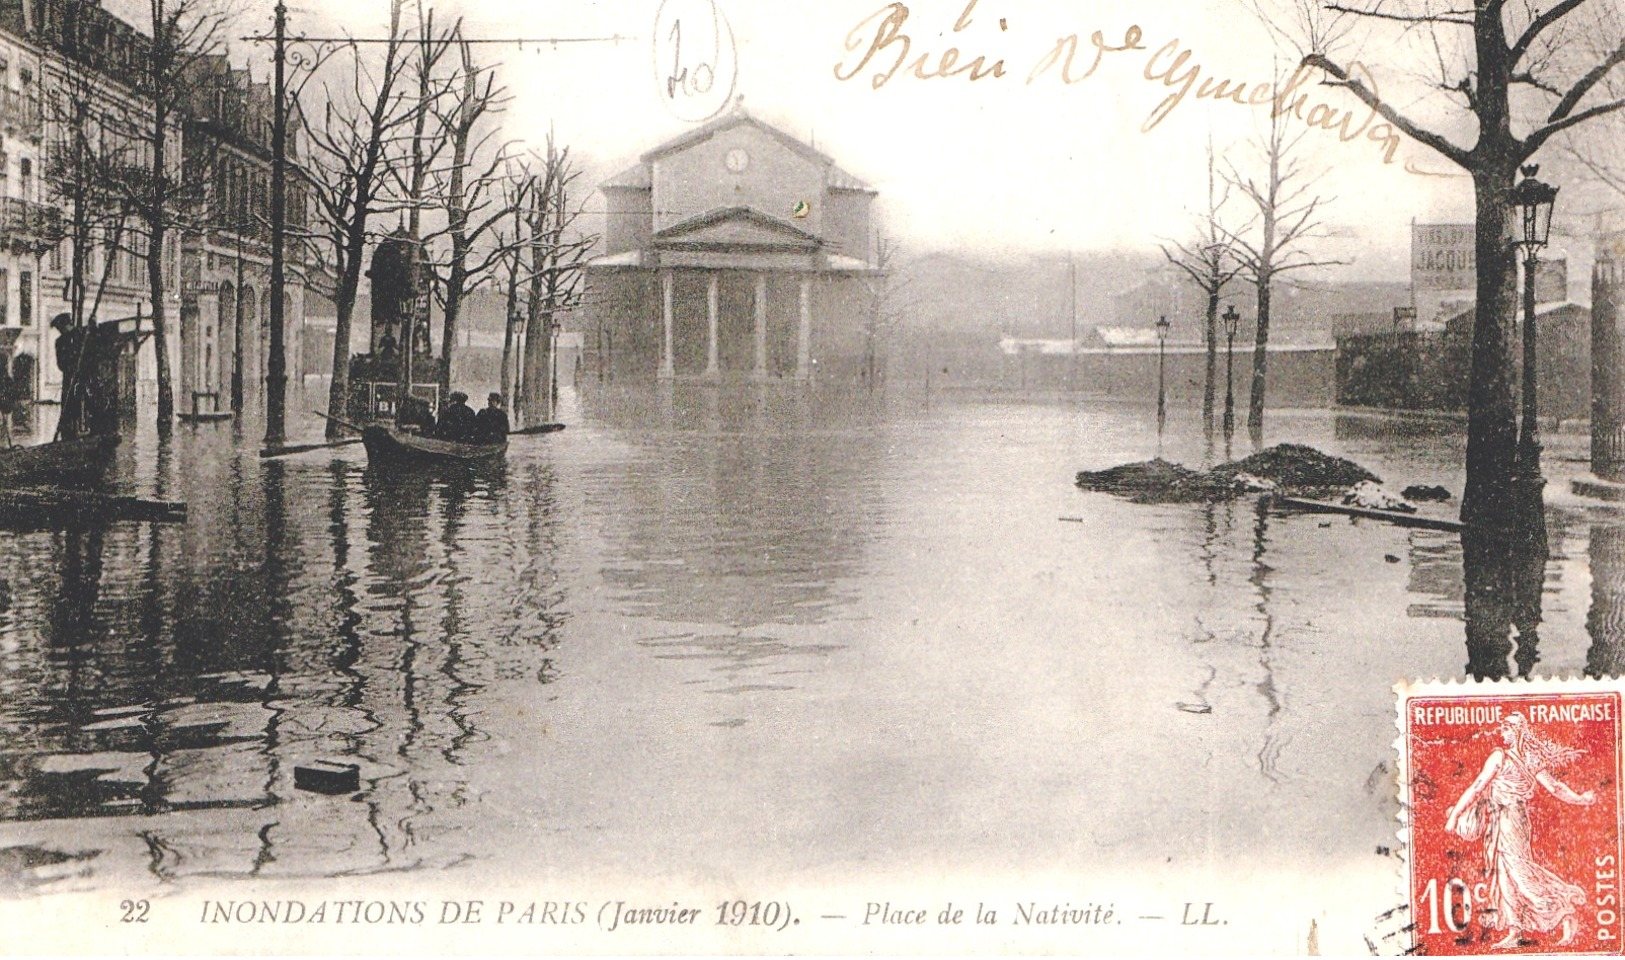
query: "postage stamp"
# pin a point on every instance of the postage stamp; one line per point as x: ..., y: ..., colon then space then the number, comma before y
x: 1511, y: 801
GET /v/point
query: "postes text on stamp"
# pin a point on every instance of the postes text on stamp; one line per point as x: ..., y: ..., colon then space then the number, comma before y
x: 1511, y: 795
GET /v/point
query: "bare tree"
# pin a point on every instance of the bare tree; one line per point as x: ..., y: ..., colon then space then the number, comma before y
x: 558, y: 275
x: 475, y: 193
x: 1522, y: 73
x: 183, y: 33
x: 365, y: 112
x: 515, y: 188
x: 1211, y: 264
x: 412, y: 178
x: 886, y: 308
x: 1287, y: 217
x: 88, y: 145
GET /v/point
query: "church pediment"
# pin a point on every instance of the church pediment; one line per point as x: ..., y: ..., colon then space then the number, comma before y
x: 736, y: 228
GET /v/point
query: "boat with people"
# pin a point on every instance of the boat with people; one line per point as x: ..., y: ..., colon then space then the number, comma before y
x: 397, y: 447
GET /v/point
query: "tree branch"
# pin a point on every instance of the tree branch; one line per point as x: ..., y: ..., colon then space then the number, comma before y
x: 1369, y: 97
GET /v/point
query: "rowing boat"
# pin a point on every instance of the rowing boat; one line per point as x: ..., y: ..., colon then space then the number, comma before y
x: 388, y: 445
x: 65, y: 463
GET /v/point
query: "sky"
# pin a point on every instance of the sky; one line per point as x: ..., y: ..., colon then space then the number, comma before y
x: 1013, y: 163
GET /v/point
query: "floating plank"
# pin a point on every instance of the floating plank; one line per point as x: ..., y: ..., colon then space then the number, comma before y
x: 289, y: 449
x: 46, y: 504
x: 538, y: 428
x: 204, y: 417
x: 1388, y: 516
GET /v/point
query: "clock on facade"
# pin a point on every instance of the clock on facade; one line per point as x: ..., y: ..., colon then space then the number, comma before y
x: 737, y: 160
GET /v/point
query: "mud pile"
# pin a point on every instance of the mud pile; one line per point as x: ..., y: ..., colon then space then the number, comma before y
x: 1298, y: 470
x: 1293, y: 469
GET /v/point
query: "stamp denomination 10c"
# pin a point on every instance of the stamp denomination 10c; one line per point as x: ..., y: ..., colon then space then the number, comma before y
x: 1510, y: 793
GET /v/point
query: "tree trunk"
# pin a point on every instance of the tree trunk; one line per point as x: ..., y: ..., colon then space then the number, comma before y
x: 338, y: 393
x: 538, y: 385
x: 1212, y: 359
x: 160, y: 333
x: 1492, y: 428
x: 1255, y: 403
x: 454, y: 306
x: 157, y: 210
x: 507, y: 338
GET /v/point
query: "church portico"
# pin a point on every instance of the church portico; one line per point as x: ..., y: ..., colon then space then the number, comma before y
x: 717, y: 324
x: 757, y: 236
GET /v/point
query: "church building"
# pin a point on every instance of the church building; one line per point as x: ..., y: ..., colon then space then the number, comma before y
x: 734, y: 251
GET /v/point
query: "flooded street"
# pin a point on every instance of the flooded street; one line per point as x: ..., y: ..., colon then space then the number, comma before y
x: 698, y: 633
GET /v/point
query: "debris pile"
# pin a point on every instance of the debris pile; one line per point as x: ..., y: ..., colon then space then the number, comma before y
x: 1297, y: 469
x: 1155, y: 481
x: 1291, y: 469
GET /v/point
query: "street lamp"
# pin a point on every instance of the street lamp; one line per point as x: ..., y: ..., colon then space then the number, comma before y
x: 1162, y: 397
x: 1232, y: 320
x: 1535, y: 201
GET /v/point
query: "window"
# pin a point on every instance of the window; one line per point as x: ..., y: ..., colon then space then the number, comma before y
x: 25, y: 298
x: 25, y: 169
x: 5, y: 296
x: 56, y: 257
x: 25, y: 77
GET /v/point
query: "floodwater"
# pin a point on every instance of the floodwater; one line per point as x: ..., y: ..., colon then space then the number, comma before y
x: 734, y: 633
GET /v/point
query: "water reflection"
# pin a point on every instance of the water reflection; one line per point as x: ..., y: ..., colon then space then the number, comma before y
x: 1504, y: 570
x: 743, y: 507
x: 305, y: 611
x: 771, y: 591
x: 1605, y: 621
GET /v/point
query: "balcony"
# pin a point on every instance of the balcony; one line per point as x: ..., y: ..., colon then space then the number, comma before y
x: 20, y: 113
x: 30, y: 226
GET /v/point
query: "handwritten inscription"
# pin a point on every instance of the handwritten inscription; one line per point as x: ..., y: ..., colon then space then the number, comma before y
x: 696, y: 64
x: 882, y: 48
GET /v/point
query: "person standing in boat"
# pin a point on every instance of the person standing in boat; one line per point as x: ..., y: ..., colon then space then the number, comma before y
x: 457, y: 421
x: 491, y: 423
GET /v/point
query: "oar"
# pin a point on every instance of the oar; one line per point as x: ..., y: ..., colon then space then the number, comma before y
x: 283, y: 451
x: 338, y: 420
x: 538, y: 428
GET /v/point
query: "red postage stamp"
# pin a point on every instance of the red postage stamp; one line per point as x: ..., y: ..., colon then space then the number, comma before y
x: 1511, y: 797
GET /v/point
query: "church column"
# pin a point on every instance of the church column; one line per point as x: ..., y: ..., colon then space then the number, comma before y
x: 711, y: 281
x: 667, y: 371
x: 760, y: 371
x: 804, y: 334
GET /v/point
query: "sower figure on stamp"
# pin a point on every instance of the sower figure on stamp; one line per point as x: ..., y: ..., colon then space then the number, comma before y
x: 1524, y: 895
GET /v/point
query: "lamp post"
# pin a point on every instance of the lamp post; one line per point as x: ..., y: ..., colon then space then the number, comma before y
x: 1162, y: 396
x: 1535, y: 201
x: 276, y: 366
x: 1232, y: 320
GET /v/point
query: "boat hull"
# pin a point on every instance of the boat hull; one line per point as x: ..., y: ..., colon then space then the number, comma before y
x: 67, y: 463
x: 387, y: 446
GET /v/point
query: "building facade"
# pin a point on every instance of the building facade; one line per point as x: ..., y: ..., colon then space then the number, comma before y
x: 225, y: 316
x: 29, y: 228
x: 733, y: 251
x: 215, y: 264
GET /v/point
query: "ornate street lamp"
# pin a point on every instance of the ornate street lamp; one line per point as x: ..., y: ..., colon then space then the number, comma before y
x: 1232, y: 320
x: 1535, y: 201
x: 1162, y: 397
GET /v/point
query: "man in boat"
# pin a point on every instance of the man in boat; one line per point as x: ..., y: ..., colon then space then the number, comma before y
x: 416, y: 415
x: 491, y: 424
x: 457, y: 420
